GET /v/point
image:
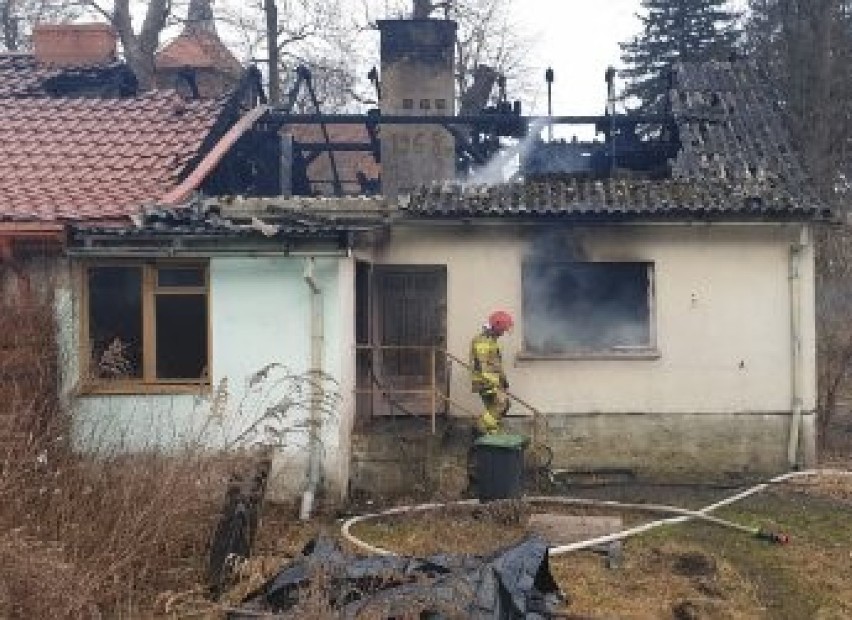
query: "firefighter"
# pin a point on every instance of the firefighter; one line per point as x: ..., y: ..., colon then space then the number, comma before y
x: 488, y: 378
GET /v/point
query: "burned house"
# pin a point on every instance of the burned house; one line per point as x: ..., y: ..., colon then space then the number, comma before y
x: 662, y: 279
x: 663, y: 288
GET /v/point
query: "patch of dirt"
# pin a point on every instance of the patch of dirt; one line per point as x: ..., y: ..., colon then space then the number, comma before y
x: 694, y: 564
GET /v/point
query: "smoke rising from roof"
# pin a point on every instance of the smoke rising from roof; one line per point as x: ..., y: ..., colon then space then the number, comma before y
x: 506, y: 163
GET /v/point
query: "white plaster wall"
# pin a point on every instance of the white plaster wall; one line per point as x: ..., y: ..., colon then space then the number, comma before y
x: 259, y: 315
x: 722, y: 316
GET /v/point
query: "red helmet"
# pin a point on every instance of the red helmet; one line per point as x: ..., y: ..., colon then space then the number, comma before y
x: 500, y: 321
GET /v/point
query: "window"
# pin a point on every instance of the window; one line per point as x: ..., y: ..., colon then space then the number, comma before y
x: 425, y: 104
x: 583, y: 307
x: 408, y: 104
x: 440, y: 104
x: 146, y: 323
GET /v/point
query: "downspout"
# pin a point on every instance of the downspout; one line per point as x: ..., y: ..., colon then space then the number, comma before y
x: 316, y: 367
x: 796, y: 359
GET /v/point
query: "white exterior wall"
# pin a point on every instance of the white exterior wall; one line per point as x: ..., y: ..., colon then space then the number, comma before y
x: 259, y: 315
x: 722, y: 310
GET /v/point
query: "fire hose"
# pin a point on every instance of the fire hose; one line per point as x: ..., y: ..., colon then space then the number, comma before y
x: 679, y: 515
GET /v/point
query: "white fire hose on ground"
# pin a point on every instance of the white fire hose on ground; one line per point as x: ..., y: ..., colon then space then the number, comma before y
x: 679, y: 515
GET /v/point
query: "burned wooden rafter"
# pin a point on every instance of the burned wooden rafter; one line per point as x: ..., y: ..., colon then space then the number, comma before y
x: 303, y: 76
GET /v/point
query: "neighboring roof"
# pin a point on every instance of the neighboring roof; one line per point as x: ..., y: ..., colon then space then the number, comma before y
x: 198, y: 49
x: 72, y: 159
x: 349, y: 163
x: 21, y: 75
x: 736, y: 161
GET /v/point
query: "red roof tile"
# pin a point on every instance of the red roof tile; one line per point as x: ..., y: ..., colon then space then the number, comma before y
x: 201, y: 50
x: 90, y: 159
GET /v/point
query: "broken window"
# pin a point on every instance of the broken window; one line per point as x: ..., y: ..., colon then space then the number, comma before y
x: 148, y: 323
x: 575, y: 307
x: 115, y: 321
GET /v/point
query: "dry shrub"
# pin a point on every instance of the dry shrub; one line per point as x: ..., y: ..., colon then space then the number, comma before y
x: 82, y: 534
x: 36, y: 582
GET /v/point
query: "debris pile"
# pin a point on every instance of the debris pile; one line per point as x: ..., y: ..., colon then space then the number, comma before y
x: 512, y: 583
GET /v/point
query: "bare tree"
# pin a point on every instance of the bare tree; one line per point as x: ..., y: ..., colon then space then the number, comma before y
x: 805, y: 47
x: 487, y: 35
x: 140, y: 47
x: 311, y: 33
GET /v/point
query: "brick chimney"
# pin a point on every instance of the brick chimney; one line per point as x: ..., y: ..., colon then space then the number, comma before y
x: 69, y: 45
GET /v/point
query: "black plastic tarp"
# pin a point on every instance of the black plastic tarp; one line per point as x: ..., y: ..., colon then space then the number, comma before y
x: 512, y: 583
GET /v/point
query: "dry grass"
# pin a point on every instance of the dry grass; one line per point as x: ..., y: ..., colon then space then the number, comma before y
x: 88, y: 535
x: 749, y: 578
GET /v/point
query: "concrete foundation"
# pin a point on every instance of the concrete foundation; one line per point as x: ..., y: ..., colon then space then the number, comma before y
x: 402, y: 457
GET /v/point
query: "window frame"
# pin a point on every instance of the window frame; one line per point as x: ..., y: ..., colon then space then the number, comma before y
x: 649, y: 352
x: 148, y: 383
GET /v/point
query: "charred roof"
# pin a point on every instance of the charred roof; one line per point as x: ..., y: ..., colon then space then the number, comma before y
x: 730, y: 155
x: 22, y: 75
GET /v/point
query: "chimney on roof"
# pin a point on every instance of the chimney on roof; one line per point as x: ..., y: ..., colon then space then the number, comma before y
x: 199, y: 17
x: 417, y: 79
x: 74, y: 45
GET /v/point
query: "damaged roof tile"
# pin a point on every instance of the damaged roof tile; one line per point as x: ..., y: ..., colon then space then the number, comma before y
x: 736, y: 160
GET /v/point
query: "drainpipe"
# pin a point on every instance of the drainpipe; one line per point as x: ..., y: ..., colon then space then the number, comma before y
x: 316, y: 364
x: 796, y: 367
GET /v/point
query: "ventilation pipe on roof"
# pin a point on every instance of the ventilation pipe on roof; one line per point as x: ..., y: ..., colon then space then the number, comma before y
x: 797, y: 250
x: 316, y: 366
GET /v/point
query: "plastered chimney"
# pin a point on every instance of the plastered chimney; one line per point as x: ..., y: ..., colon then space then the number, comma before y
x: 418, y: 68
x: 68, y: 45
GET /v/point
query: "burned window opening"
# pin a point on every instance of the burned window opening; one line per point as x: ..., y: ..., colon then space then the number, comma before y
x: 147, y: 323
x: 115, y: 322
x: 576, y: 307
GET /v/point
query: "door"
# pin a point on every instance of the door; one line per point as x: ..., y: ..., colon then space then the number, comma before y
x: 410, y: 318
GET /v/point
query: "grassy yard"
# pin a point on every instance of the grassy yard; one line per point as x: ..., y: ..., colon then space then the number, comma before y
x: 693, y: 570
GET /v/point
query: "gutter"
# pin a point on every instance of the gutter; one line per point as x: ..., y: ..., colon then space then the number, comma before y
x: 316, y: 369
x: 797, y: 250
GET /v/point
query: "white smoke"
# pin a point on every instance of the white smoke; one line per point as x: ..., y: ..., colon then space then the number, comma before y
x: 507, y: 162
x: 573, y: 305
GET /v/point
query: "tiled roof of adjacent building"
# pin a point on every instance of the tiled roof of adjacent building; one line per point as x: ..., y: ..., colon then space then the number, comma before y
x: 199, y: 50
x: 736, y: 160
x: 21, y: 75
x: 71, y: 159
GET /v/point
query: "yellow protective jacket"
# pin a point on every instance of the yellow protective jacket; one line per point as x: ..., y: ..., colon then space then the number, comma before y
x: 487, y: 363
